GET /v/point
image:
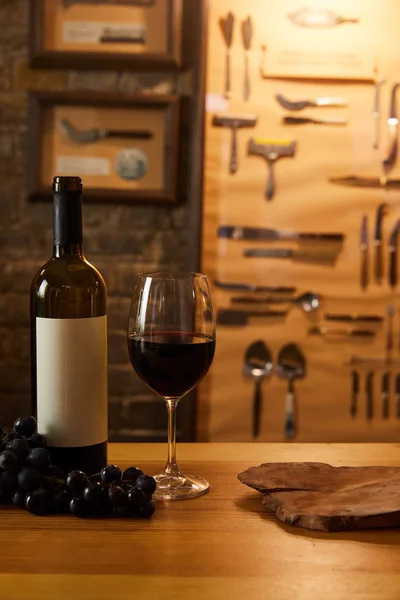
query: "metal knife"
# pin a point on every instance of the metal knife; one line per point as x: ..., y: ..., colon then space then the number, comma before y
x: 393, y: 238
x: 385, y: 395
x: 288, y: 120
x: 366, y: 182
x: 364, y: 253
x: 228, y: 316
x: 301, y: 255
x: 381, y: 211
x: 397, y: 389
x: 301, y: 104
x: 354, y: 318
x: 392, y: 124
x: 389, y: 331
x: 355, y: 388
x: 376, y: 110
x: 369, y: 392
x: 259, y: 233
x: 249, y: 287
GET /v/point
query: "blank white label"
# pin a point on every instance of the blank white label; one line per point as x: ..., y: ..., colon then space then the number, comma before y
x: 71, y: 358
x: 95, y: 32
x: 83, y: 165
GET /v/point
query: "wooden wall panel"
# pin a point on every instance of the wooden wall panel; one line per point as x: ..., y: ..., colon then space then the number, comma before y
x: 305, y: 201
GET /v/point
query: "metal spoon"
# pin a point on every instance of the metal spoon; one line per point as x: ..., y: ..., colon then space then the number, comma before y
x: 309, y: 301
x: 257, y: 364
x: 291, y: 365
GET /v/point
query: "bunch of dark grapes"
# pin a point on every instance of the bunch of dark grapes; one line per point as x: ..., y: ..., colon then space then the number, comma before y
x: 28, y: 479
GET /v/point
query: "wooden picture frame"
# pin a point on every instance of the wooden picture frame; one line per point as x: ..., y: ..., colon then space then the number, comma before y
x: 146, y: 173
x: 115, y: 56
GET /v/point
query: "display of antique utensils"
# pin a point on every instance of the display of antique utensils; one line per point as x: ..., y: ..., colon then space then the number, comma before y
x: 271, y: 150
x: 249, y: 287
x: 385, y: 394
x: 89, y: 136
x: 362, y: 333
x: 68, y: 3
x: 258, y: 365
x: 393, y: 125
x: 308, y: 302
x: 397, y: 395
x: 234, y: 122
x: 291, y: 365
x: 299, y: 255
x: 261, y: 233
x: 369, y: 395
x: 318, y: 102
x: 364, y: 253
x: 289, y: 120
x: 354, y: 318
x: 393, y: 242
x: 247, y: 34
x: 229, y: 316
x: 313, y: 17
x: 226, y: 24
x: 376, y: 113
x: 355, y: 389
x: 378, y: 270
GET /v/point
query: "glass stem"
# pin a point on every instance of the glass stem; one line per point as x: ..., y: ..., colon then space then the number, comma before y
x: 171, y: 467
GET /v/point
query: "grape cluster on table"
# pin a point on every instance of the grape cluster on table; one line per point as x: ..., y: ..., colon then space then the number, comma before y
x: 30, y: 481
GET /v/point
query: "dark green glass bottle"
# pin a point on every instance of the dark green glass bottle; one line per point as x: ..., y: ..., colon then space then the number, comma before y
x: 69, y: 342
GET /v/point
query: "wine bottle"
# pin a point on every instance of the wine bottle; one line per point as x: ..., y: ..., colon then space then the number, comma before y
x: 69, y: 342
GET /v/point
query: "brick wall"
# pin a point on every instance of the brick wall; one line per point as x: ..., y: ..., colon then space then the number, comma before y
x: 120, y: 240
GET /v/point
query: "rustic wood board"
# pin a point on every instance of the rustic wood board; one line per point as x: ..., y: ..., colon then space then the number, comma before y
x: 326, y: 498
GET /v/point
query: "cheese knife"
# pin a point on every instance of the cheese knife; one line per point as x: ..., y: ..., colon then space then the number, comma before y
x: 301, y: 104
x: 369, y: 393
x: 289, y: 120
x: 260, y: 233
x: 364, y: 253
x: 393, y: 238
x: 385, y: 395
x: 250, y: 287
x: 355, y: 388
x: 381, y: 211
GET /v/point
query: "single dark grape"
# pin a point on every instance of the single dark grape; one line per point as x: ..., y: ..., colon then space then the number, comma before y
x: 38, y: 502
x: 18, y: 498
x: 136, y: 499
x: 29, y: 479
x: 8, y: 481
x: 61, y: 501
x: 117, y: 496
x: 26, y: 426
x: 20, y: 447
x: 147, y: 510
x: 37, y: 440
x: 39, y: 458
x: 8, y: 461
x: 12, y: 435
x: 147, y: 484
x: 76, y: 481
x: 121, y: 512
x: 132, y: 474
x: 55, y: 471
x: 95, y: 494
x: 111, y: 473
x: 79, y: 507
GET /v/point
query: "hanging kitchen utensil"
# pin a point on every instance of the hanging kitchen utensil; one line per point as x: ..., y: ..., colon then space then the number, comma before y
x: 393, y: 241
x: 308, y: 301
x: 362, y: 333
x: 354, y: 318
x: 366, y: 182
x: 247, y: 34
x: 271, y: 150
x: 258, y: 365
x: 226, y: 24
x: 369, y: 395
x: 376, y: 107
x: 291, y: 365
x: 289, y: 120
x: 397, y: 397
x: 229, y: 316
x: 378, y: 270
x: 316, y: 18
x: 270, y: 235
x: 250, y: 287
x: 234, y: 122
x: 318, y: 102
x: 355, y: 388
x: 389, y: 331
x: 385, y: 394
x: 89, y: 136
x: 364, y: 253
x: 393, y: 125
x: 289, y: 253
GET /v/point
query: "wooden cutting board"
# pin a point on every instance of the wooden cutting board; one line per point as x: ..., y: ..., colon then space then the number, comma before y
x: 326, y: 498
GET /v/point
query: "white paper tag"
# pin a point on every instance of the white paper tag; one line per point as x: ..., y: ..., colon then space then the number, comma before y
x: 96, y: 32
x: 216, y: 103
x: 83, y: 165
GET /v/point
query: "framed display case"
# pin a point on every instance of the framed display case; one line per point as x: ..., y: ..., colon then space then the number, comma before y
x: 124, y: 147
x: 106, y: 34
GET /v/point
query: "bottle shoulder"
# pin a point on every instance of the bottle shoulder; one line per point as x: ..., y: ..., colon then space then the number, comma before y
x: 66, y: 271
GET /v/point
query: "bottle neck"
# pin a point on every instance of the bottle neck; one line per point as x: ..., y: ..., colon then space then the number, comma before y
x: 67, y: 238
x: 60, y: 250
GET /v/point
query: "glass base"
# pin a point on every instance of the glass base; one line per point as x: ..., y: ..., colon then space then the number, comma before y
x: 179, y: 486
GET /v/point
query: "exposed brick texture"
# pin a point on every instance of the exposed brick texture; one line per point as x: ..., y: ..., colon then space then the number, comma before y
x: 121, y: 240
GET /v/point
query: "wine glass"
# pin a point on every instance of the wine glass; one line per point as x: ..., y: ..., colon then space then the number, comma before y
x: 171, y: 341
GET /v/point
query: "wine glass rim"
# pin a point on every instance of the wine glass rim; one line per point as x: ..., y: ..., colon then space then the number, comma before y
x: 173, y: 275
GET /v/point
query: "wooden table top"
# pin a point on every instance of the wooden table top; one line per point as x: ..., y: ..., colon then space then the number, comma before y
x: 220, y: 546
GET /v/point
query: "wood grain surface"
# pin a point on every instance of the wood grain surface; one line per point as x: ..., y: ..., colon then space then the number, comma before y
x: 222, y: 545
x: 305, y: 201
